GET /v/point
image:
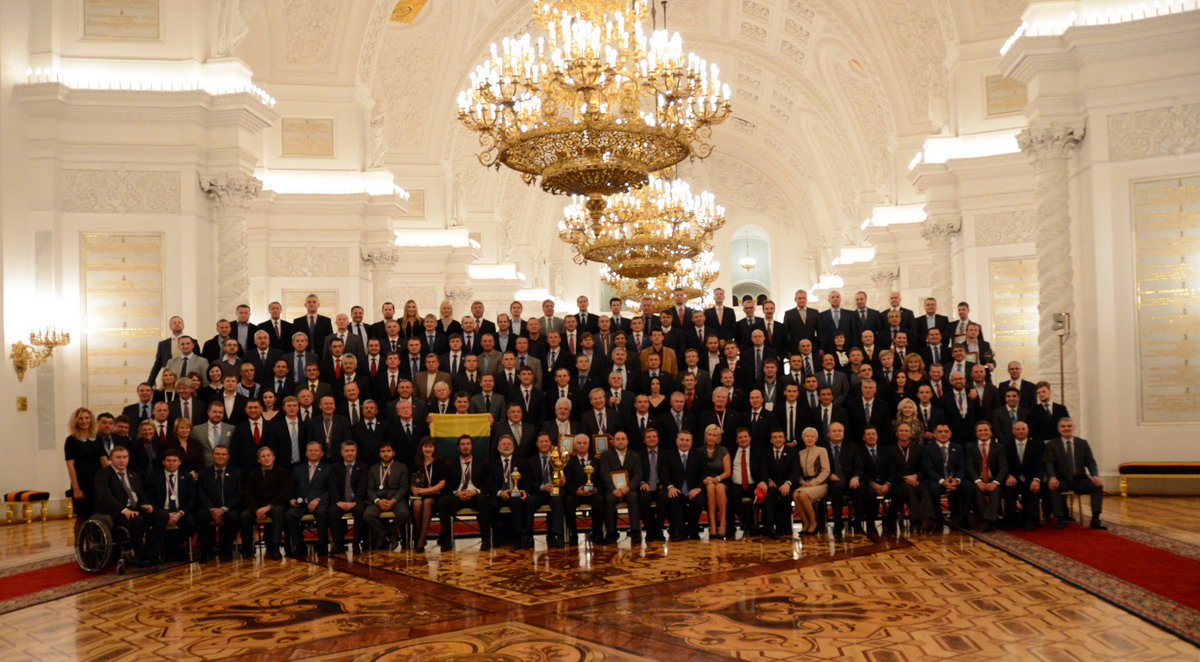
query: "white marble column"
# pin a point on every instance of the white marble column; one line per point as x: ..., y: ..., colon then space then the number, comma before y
x: 1049, y: 147
x: 885, y: 280
x: 382, y: 260
x: 231, y: 196
x: 939, y: 231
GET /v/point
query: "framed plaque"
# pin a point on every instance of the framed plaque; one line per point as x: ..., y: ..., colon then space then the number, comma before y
x: 620, y: 479
x: 566, y: 444
x: 599, y: 443
x: 972, y: 357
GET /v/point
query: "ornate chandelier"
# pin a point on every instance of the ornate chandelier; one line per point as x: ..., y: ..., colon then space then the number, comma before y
x: 645, y: 232
x: 694, y: 277
x: 594, y: 106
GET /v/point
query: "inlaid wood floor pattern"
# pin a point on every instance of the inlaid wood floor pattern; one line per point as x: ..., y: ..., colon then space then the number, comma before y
x: 924, y: 598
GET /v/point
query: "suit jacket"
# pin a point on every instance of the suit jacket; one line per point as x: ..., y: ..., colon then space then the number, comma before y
x: 661, y: 468
x: 997, y: 461
x: 611, y: 461
x: 394, y: 484
x: 1056, y: 459
x: 439, y: 346
x: 535, y: 410
x: 267, y: 488
x: 162, y: 355
x: 670, y: 362
x: 550, y: 427
x: 309, y: 357
x: 196, y: 363
x: 421, y: 388
x: 317, y: 488
x: 404, y: 443
x: 110, y: 496
x: 847, y: 323
x: 526, y: 445
x: 243, y: 452
x: 677, y: 321
x: 224, y: 493
x: 798, y: 330
x: 875, y: 323
x: 199, y: 411
x: 339, y: 431
x: 536, y: 365
x: 846, y: 464
x: 804, y: 419
x: 202, y: 435
x: 1029, y: 467
x: 727, y: 328
x: 498, y: 482
x: 462, y: 382
x: 905, y: 466
x: 668, y: 430
x: 746, y: 326
x: 1027, y: 390
x: 316, y: 334
x: 591, y: 426
x: 879, y: 470
x: 1002, y: 423
x: 691, y: 337
x: 550, y: 324
x: 358, y: 481
x: 235, y: 414
x: 283, y: 340
x: 962, y: 426
x: 134, y: 413
x: 381, y: 388
x: 881, y: 418
x: 185, y: 494
x: 923, y: 325
x: 784, y: 470
x: 836, y: 415
x: 988, y: 403
x: 926, y: 352
x: 214, y: 349
x: 631, y: 425
x: 839, y: 382
x: 1045, y: 425
x: 324, y: 388
x: 478, y: 406
x: 369, y: 440
x: 263, y: 370
x: 479, y: 477
x: 732, y: 422
x: 907, y: 324
x: 934, y: 469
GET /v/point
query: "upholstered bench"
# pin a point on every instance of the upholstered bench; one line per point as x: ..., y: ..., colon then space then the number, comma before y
x: 1157, y: 470
x: 25, y: 499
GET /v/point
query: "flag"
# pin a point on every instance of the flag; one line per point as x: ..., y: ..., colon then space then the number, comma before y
x: 447, y: 428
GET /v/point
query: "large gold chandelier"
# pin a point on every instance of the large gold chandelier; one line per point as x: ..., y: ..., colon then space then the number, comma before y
x: 645, y: 232
x: 594, y: 106
x: 693, y: 276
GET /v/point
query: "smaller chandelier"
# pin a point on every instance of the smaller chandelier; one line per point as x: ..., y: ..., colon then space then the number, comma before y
x: 694, y: 277
x: 747, y: 262
x: 645, y: 232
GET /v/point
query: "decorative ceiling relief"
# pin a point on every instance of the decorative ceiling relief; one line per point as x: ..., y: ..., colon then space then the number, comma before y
x: 310, y: 29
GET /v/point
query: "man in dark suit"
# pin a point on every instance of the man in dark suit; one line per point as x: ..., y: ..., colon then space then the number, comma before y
x: 618, y: 321
x: 600, y: 419
x: 793, y: 415
x: 167, y: 348
x: 387, y: 491
x: 142, y: 409
x: 802, y: 322
x: 697, y: 332
x: 583, y: 487
x: 987, y: 471
x: 675, y: 420
x: 907, y: 322
x: 561, y: 425
x: 467, y: 487
x: 279, y: 330
x: 865, y: 319
x: 749, y: 323
x: 986, y: 397
x: 1023, y: 386
x: 776, y: 331
x: 388, y: 311
x: 845, y: 475
x: 289, y: 434
x: 836, y: 380
x: 587, y: 321
x: 1046, y: 413
x: 878, y: 478
x: 1070, y: 465
x: 329, y: 428
x: 960, y: 410
x: 758, y: 420
x: 219, y: 507
x: 653, y: 501
x: 932, y: 320
x: 347, y: 495
x: 870, y: 411
x: 907, y: 489
x: 836, y: 320
x: 250, y: 436
x: 619, y: 458
x: 301, y: 357
x: 214, y: 348
x: 370, y: 431
x: 519, y: 428
x: 1004, y: 418
x: 943, y: 469
x: 782, y: 477
x: 312, y: 324
x: 263, y: 357
x: 120, y: 495
x: 506, y: 489
x: 268, y: 490
x: 174, y: 492
x: 310, y: 496
x: 933, y: 350
x: 541, y: 491
x: 685, y: 488
x: 721, y: 416
x: 404, y: 432
x: 680, y: 312
x: 1026, y: 462
x: 185, y: 405
x: 721, y: 317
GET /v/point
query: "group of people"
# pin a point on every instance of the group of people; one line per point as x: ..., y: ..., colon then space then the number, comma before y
x: 674, y: 412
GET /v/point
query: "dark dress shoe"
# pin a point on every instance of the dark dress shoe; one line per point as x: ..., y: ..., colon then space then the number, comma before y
x: 226, y: 556
x: 486, y: 546
x: 988, y: 526
x: 446, y: 546
x: 273, y: 553
x: 1061, y: 523
x: 872, y: 535
x: 635, y: 537
x: 1097, y: 525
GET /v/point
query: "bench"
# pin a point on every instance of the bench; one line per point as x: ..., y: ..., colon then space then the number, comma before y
x: 26, y: 500
x: 1176, y: 470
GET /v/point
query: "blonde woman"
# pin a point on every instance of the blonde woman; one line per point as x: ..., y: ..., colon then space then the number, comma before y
x: 84, y: 458
x: 447, y: 325
x: 190, y: 452
x: 814, y: 471
x: 716, y: 471
x: 906, y: 412
x: 412, y: 322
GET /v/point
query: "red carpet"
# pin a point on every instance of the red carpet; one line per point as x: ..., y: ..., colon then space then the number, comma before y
x: 1151, y: 568
x: 14, y: 586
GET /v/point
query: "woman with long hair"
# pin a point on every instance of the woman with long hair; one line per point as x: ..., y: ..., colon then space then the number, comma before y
x: 428, y: 480
x: 84, y: 458
x: 191, y: 454
x: 411, y: 322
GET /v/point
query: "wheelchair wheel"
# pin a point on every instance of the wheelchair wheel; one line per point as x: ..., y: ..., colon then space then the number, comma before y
x: 93, y: 546
x: 121, y: 566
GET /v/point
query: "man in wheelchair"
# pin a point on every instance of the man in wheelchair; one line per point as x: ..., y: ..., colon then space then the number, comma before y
x: 120, y: 495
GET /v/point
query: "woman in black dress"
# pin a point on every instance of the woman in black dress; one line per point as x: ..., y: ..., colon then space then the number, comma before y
x: 84, y: 458
x: 428, y: 479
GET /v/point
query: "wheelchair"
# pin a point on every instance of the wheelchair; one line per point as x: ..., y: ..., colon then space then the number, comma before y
x: 98, y: 542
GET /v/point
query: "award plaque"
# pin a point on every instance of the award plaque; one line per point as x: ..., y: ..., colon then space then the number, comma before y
x: 599, y: 444
x: 972, y: 357
x: 620, y: 479
x: 566, y: 444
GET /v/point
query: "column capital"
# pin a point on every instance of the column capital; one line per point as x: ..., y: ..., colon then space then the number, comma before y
x: 885, y: 275
x: 460, y: 293
x: 231, y: 192
x: 385, y: 256
x: 941, y: 227
x: 1053, y: 140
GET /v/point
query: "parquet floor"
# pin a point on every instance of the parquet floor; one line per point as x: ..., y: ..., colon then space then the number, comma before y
x: 924, y: 598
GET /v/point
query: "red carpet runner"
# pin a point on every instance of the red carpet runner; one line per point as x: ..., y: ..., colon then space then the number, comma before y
x: 14, y: 586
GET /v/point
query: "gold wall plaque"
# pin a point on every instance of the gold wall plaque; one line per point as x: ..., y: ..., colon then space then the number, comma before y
x: 1166, y: 233
x: 293, y: 303
x: 1004, y: 95
x: 406, y: 11
x: 1015, y: 316
x: 307, y: 136
x: 121, y: 19
x: 122, y: 323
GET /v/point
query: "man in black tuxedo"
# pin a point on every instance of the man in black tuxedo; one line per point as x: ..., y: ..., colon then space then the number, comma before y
x: 268, y: 490
x: 1025, y: 387
x: 782, y: 477
x: 685, y: 489
x: 618, y: 321
x: 845, y: 475
x: 219, y: 499
x: 777, y: 337
x: 467, y: 487
x: 509, y: 528
x: 121, y: 496
x: 312, y: 324
x: 877, y: 483
x: 1046, y: 413
x: 792, y: 416
x: 279, y: 330
x: 347, y: 495
x: 836, y: 320
x: 1026, y: 462
x: 932, y: 320
x: 1070, y: 465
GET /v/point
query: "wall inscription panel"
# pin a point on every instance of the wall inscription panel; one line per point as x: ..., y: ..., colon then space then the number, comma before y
x: 123, y: 315
x: 307, y: 136
x: 1166, y: 227
x: 1004, y: 95
x: 121, y: 19
x: 1015, y: 314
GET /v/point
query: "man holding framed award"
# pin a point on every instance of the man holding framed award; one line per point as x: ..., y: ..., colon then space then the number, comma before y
x: 621, y: 474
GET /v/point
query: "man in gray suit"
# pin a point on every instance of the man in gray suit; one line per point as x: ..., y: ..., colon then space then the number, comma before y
x: 213, y: 432
x: 488, y: 401
x: 300, y: 357
x: 548, y: 320
x: 351, y: 342
x: 188, y: 360
x: 834, y: 379
x: 387, y: 490
x: 1070, y: 465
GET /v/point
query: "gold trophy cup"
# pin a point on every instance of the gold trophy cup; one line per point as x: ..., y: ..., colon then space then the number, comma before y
x: 557, y: 477
x: 514, y: 479
x: 589, y: 470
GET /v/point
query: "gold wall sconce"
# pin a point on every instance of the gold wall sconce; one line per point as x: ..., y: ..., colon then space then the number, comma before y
x: 27, y: 357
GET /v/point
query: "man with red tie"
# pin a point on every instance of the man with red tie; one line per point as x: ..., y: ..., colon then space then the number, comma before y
x: 249, y: 436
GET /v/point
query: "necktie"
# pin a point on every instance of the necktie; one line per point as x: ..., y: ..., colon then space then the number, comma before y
x: 683, y: 463
x: 874, y: 457
x: 690, y: 398
x: 758, y: 361
x: 1049, y: 410
x: 778, y: 456
x: 522, y: 361
x: 337, y: 367
x: 553, y: 356
x: 187, y: 409
x: 215, y: 435
x: 429, y: 338
x: 791, y: 425
x: 753, y: 418
x: 408, y: 429
x: 527, y: 398
x: 511, y: 382
x: 946, y: 461
x: 454, y: 364
x: 443, y: 407
x: 299, y: 365
x: 312, y: 471
x: 837, y: 316
x: 653, y: 478
x: 936, y: 354
x: 416, y: 366
x: 571, y: 343
x: 145, y: 412
x: 837, y: 459
x: 466, y: 479
x: 276, y: 323
x: 985, y: 475
x: 601, y: 418
x: 937, y: 387
x: 487, y: 401
x: 1070, y: 460
x: 812, y: 399
x: 745, y: 470
x: 220, y: 487
x: 1012, y: 416
x: 825, y: 417
x: 171, y: 499
x: 545, y: 469
x: 925, y: 414
x: 959, y: 395
x: 374, y: 366
x: 353, y: 413
x: 808, y: 365
x: 678, y: 421
x: 295, y: 435
x: 162, y: 432
x: 183, y: 366
x: 392, y: 379
x: 867, y: 408
x: 862, y: 315
x: 257, y: 434
x: 348, y: 486
x: 130, y: 499
x: 1021, y: 451
x: 312, y: 324
x: 642, y: 424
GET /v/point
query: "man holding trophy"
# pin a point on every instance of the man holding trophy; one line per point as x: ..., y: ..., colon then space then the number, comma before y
x: 545, y: 482
x: 505, y: 477
x: 581, y: 490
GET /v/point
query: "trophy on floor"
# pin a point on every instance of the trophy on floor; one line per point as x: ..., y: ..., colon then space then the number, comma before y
x: 558, y: 460
x: 514, y: 479
x: 589, y: 470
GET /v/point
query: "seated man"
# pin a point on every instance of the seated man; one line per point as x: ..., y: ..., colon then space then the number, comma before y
x: 620, y: 471
x: 173, y: 491
x: 1027, y: 465
x: 783, y: 475
x: 387, y: 491
x: 987, y: 471
x: 348, y: 494
x: 845, y: 475
x: 1070, y: 465
x: 749, y: 475
x: 907, y: 489
x: 877, y: 477
x: 583, y: 488
x: 501, y: 486
x: 653, y: 502
x: 468, y: 486
x: 120, y: 495
x: 942, y: 472
x: 220, y: 506
x: 542, y: 493
x: 310, y: 496
x: 268, y: 489
x: 685, y: 489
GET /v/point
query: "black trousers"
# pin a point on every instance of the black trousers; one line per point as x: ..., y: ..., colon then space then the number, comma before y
x: 337, y: 524
x: 653, y: 507
x: 222, y: 534
x: 572, y: 502
x: 685, y: 514
x: 147, y: 531
x: 1020, y: 493
x: 450, y: 504
x: 554, y: 524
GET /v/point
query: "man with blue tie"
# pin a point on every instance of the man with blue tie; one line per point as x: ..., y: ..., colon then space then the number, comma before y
x: 310, y: 490
x: 220, y: 507
x: 943, y: 470
x: 834, y: 321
